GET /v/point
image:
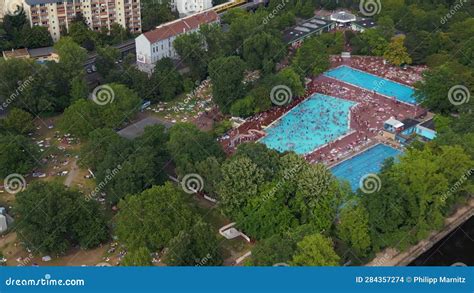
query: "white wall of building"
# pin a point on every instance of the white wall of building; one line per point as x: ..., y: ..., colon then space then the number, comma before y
x: 188, y: 7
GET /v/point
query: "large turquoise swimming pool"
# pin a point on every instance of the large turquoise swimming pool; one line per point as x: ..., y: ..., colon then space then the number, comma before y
x: 313, y: 123
x: 373, y: 83
x: 367, y: 162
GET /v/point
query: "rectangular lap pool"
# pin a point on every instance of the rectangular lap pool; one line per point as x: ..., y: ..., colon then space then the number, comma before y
x: 369, y: 161
x: 313, y: 123
x: 372, y: 82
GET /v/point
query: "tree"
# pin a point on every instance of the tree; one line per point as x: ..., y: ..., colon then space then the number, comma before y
x: 19, y: 121
x: 36, y: 37
x: 71, y: 56
x: 370, y: 42
x: 18, y: 154
x: 80, y: 33
x: 290, y: 78
x: 122, y: 105
x: 216, y: 40
x: 189, y: 146
x: 267, y: 214
x: 334, y: 42
x: 145, y: 220
x: 80, y: 119
x: 433, y: 91
x: 105, y: 60
x: 240, y: 183
x: 95, y: 149
x: 66, y: 219
x: 227, y: 74
x: 112, y: 106
x: 263, y: 51
x: 353, y: 228
x: 137, y: 257
x: 386, y: 27
x: 315, y: 250
x: 317, y: 196
x: 210, y: 170
x: 166, y: 80
x: 192, y: 50
x: 264, y: 158
x: 396, y: 52
x: 24, y: 85
x: 311, y: 59
x: 273, y: 250
x: 197, y: 246
x: 155, y: 13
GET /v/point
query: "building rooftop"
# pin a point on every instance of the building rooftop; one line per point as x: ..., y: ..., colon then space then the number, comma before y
x: 429, y: 124
x: 365, y: 23
x: 409, y: 123
x: 343, y: 17
x: 180, y: 26
x: 394, y: 123
x: 305, y: 28
x: 16, y: 53
x: 40, y: 52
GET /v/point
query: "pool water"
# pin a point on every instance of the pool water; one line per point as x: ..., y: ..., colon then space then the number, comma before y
x: 372, y: 82
x: 313, y: 123
x: 369, y: 161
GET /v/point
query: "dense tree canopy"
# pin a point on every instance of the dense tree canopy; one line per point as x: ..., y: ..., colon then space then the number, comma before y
x: 65, y: 219
x: 146, y: 220
x: 189, y: 146
x: 18, y: 154
x: 227, y: 74
x: 315, y: 250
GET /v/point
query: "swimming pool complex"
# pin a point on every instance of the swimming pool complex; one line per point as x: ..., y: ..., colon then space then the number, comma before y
x: 373, y: 83
x: 369, y: 161
x: 311, y: 124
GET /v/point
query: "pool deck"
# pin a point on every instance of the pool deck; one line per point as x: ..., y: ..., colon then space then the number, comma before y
x: 366, y: 118
x: 379, y: 93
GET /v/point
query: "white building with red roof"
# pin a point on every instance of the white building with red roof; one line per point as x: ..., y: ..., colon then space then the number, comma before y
x: 158, y: 43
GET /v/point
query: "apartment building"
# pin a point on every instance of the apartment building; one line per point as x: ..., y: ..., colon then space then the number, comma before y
x: 158, y: 43
x: 98, y: 14
x: 188, y: 7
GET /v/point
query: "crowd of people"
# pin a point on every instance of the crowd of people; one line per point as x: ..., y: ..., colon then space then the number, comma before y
x: 407, y: 75
x: 366, y: 117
